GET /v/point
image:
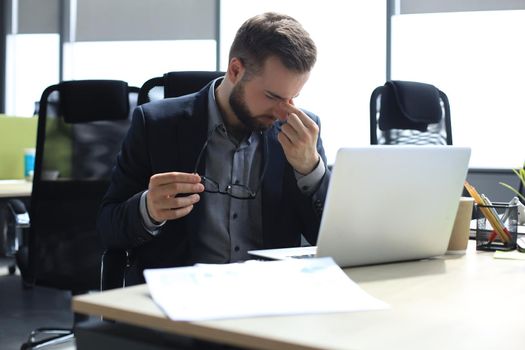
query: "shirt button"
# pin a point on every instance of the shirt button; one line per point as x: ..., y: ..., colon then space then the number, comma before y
x: 234, y: 215
x: 236, y: 248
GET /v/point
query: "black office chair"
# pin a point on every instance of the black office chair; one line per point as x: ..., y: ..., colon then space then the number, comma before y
x: 14, y: 220
x: 175, y: 84
x: 406, y: 112
x: 113, y: 267
x: 75, y: 153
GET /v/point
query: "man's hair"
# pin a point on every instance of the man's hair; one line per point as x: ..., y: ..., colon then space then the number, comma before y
x: 273, y: 34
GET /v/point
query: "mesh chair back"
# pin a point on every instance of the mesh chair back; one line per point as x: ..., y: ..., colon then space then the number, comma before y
x: 77, y: 147
x: 174, y: 84
x: 404, y: 112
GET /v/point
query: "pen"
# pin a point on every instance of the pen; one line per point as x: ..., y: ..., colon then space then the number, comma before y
x: 514, y: 201
x: 494, y: 233
x: 486, y: 212
x: 496, y: 216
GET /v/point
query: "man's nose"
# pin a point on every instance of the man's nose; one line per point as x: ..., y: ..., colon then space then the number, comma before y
x: 280, y: 111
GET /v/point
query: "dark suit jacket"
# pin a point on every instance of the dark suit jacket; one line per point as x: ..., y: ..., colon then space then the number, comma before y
x: 167, y: 135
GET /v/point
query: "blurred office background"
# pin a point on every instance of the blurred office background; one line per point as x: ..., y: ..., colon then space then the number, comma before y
x: 470, y: 49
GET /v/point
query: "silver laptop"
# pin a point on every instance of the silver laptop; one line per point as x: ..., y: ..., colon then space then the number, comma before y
x: 386, y: 204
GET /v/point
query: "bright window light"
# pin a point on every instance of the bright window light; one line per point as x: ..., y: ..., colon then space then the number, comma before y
x: 477, y: 59
x: 136, y: 61
x: 32, y: 65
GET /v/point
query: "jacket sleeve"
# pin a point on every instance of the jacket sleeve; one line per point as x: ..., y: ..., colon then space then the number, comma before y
x: 119, y: 221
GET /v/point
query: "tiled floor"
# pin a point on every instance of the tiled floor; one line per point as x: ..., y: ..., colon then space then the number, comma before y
x: 22, y: 310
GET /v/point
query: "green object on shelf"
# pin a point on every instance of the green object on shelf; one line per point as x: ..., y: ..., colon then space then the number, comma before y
x: 16, y: 135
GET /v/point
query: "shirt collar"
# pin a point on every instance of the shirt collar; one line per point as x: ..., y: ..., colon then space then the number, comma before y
x: 215, y: 117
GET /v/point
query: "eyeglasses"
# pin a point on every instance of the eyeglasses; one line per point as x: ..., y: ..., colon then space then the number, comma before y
x: 237, y: 191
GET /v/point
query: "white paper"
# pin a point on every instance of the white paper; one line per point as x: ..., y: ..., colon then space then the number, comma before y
x: 256, y: 288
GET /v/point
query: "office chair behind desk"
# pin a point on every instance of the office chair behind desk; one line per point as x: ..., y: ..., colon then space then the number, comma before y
x: 407, y: 112
x: 75, y: 153
x: 174, y: 84
x: 14, y: 221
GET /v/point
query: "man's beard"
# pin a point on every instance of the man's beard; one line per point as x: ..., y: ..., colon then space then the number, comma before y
x: 239, y: 107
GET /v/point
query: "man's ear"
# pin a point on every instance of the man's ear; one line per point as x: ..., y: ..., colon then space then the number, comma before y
x: 235, y: 70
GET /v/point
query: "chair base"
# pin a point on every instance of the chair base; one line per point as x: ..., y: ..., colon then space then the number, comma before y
x: 12, y: 269
x: 60, y: 335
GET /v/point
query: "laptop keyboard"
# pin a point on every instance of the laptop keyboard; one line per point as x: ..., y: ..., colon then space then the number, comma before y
x: 302, y: 256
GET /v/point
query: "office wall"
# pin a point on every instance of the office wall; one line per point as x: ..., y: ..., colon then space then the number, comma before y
x: 487, y: 182
x: 37, y: 16
x: 429, y: 6
x: 117, y: 20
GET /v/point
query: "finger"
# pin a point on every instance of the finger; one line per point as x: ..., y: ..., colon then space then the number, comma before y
x: 291, y: 109
x: 284, y: 141
x: 161, y: 208
x: 296, y: 123
x: 298, y: 133
x: 176, y: 202
x: 290, y: 132
x: 173, y: 177
x: 172, y: 214
x: 174, y: 189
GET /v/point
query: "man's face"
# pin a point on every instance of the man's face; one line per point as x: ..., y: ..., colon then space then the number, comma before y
x: 256, y: 101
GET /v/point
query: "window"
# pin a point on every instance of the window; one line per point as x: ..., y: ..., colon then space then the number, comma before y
x: 32, y: 65
x: 477, y: 59
x: 136, y: 61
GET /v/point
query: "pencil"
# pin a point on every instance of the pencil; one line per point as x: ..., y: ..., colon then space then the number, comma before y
x: 495, y: 214
x: 487, y: 213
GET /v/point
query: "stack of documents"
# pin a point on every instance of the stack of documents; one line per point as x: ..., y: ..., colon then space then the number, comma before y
x: 256, y: 288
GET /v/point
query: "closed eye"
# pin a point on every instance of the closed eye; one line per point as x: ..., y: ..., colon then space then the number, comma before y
x: 274, y: 97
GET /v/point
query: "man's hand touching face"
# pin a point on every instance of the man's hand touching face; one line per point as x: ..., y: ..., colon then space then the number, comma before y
x: 298, y: 137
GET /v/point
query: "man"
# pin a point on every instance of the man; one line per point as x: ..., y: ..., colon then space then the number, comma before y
x: 234, y: 167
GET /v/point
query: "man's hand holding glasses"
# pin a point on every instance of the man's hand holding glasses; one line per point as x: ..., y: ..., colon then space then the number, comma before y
x: 172, y: 195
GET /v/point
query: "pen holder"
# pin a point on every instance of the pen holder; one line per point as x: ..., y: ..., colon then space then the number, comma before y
x: 504, y: 216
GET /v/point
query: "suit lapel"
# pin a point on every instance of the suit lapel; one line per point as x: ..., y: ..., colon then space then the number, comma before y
x: 272, y: 184
x: 192, y: 132
x: 191, y: 135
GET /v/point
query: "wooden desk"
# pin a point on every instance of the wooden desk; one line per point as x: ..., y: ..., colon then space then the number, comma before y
x: 454, y: 302
x: 15, y: 188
